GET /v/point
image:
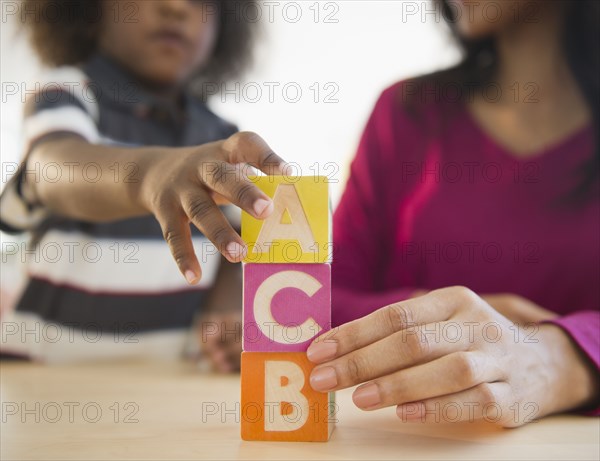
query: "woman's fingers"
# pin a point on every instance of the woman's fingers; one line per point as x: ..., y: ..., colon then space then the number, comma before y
x: 176, y: 232
x: 403, y: 349
x: 481, y: 402
x: 203, y: 212
x: 436, y: 306
x: 447, y: 375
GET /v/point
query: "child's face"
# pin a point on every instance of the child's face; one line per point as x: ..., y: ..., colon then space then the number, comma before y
x: 161, y: 41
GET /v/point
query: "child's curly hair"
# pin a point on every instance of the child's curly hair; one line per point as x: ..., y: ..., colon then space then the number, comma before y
x: 65, y: 32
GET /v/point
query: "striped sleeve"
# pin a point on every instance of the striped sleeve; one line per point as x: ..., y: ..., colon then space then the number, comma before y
x: 64, y: 103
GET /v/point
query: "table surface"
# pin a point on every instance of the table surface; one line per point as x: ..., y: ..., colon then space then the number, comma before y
x: 155, y: 411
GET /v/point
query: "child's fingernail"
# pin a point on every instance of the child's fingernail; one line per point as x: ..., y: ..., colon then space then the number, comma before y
x: 191, y: 277
x: 286, y: 169
x: 235, y: 251
x: 323, y: 379
x: 322, y: 351
x: 262, y: 207
x: 367, y: 396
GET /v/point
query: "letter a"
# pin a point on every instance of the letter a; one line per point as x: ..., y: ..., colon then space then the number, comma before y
x: 287, y: 222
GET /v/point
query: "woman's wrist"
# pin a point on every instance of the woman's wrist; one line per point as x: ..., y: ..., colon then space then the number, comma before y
x: 572, y: 380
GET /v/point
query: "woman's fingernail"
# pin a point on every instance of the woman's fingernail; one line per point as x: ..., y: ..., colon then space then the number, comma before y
x: 191, y: 277
x: 323, y: 379
x: 322, y: 351
x: 235, y: 251
x: 367, y: 396
x: 411, y: 411
x: 262, y: 207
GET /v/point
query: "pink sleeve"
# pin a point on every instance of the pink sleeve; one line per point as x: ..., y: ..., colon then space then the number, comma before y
x: 584, y: 329
x: 361, y: 224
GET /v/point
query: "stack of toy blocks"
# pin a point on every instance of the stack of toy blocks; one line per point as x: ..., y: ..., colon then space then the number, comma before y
x: 287, y: 303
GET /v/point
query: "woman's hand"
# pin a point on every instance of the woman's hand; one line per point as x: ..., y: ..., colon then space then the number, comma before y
x: 184, y: 185
x: 515, y: 308
x: 518, y: 309
x: 449, y: 356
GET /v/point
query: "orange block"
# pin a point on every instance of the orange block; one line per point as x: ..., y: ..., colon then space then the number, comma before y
x: 278, y: 403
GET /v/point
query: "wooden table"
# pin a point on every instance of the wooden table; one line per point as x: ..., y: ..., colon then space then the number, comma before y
x: 155, y: 411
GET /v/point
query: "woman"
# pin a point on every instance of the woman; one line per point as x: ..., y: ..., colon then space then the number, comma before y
x: 483, y: 176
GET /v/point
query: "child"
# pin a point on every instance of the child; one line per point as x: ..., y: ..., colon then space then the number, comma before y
x: 484, y: 175
x: 138, y: 157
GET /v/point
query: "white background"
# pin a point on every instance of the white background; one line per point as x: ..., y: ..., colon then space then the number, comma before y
x: 356, y: 47
x: 372, y: 45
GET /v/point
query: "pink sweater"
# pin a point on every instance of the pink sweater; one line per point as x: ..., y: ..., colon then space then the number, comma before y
x: 433, y: 201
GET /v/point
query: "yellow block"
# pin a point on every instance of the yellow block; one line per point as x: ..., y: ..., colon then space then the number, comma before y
x: 298, y: 230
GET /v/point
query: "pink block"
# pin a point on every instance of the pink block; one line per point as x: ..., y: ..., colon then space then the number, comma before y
x: 285, y: 306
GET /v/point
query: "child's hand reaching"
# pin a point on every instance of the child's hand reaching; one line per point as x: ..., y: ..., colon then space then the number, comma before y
x: 185, y: 187
x: 176, y: 185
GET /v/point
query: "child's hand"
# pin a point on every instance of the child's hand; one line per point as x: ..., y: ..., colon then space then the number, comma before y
x: 183, y: 186
x: 176, y: 185
x: 221, y: 340
x: 449, y: 356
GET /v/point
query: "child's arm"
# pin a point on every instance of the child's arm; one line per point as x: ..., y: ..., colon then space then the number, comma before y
x: 176, y: 185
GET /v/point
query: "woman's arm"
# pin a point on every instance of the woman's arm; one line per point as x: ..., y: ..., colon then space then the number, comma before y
x: 575, y: 368
x: 362, y: 223
x: 450, y: 353
x: 583, y: 332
